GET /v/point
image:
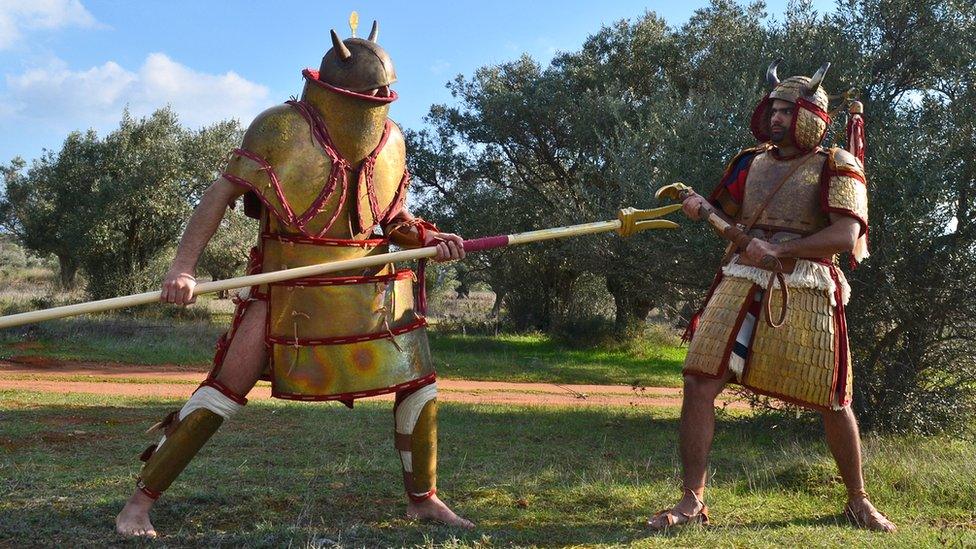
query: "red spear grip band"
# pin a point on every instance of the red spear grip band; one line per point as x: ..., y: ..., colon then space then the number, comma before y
x: 485, y: 243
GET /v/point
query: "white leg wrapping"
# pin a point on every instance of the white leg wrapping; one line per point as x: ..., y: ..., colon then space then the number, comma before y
x: 407, y: 413
x: 213, y: 400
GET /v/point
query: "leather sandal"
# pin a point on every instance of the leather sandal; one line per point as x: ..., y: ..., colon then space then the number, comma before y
x: 866, y: 516
x: 677, y: 518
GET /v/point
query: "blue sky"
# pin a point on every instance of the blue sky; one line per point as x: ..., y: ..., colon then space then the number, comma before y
x: 75, y: 64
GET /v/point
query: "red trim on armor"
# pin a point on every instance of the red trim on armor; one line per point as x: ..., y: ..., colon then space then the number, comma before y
x: 401, y: 274
x: 319, y: 203
x: 743, y: 311
x: 693, y: 321
x: 257, y: 193
x: 319, y: 241
x: 757, y: 123
x: 802, y: 103
x: 750, y: 298
x: 340, y: 168
x: 404, y: 393
x: 366, y: 171
x: 425, y: 497
x: 224, y: 390
x: 342, y: 340
x: 815, y: 109
x: 840, y: 353
x: 398, y: 199
x: 760, y: 129
x: 275, y: 182
x: 422, y: 289
x: 825, y: 175
x: 416, y: 383
x: 152, y: 494
x: 312, y: 75
x: 784, y: 398
x: 843, y: 172
x: 842, y: 348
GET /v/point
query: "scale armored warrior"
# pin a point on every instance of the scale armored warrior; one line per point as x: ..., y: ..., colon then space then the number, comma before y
x: 323, y: 174
x: 796, y: 205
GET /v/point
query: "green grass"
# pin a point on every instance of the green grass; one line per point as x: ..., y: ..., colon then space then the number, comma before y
x: 537, y: 358
x: 500, y: 358
x: 131, y: 341
x: 305, y: 474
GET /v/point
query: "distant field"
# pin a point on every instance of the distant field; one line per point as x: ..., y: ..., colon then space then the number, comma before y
x: 315, y: 475
x: 504, y: 357
x: 161, y: 334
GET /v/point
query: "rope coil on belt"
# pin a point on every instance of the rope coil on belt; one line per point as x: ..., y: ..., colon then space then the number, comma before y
x: 776, y: 267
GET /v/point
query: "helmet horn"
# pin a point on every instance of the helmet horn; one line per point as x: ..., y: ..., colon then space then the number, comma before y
x: 374, y: 32
x: 817, y: 79
x: 771, y: 77
x: 341, y: 50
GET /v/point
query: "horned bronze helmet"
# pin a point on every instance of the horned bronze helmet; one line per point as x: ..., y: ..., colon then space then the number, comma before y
x: 810, y: 117
x: 356, y: 64
x: 796, y: 87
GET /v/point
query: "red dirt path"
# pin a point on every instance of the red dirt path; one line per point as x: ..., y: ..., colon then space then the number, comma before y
x: 49, y: 375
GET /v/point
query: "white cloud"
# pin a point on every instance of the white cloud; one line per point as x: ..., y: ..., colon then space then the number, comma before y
x: 440, y: 66
x: 17, y: 16
x: 95, y: 97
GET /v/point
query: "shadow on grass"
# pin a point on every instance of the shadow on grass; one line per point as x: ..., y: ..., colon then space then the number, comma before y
x: 313, y: 474
x: 539, y: 359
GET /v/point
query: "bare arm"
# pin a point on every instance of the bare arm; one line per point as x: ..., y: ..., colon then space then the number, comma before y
x: 179, y: 281
x: 449, y: 245
x: 838, y: 237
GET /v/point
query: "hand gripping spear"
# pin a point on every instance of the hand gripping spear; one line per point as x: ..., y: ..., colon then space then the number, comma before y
x: 741, y: 240
x: 628, y: 222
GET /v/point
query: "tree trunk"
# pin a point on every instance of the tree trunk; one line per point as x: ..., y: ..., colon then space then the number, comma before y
x: 631, y: 307
x: 67, y: 272
x: 496, y: 307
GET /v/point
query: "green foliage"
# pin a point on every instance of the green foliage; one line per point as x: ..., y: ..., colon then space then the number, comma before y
x: 49, y: 209
x: 153, y: 170
x: 114, y: 206
x: 642, y: 104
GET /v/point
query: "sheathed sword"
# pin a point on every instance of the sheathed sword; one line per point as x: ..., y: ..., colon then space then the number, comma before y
x: 629, y: 221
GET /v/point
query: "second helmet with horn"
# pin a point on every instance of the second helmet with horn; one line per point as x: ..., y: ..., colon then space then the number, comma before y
x: 357, y: 64
x: 810, y: 118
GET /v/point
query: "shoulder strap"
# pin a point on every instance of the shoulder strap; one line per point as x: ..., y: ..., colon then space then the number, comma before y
x: 730, y: 249
x: 779, y: 185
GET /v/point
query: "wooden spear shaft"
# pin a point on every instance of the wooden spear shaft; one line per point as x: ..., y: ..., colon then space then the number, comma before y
x: 621, y: 225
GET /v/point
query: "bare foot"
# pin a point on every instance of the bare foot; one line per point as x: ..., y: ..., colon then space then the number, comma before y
x: 133, y: 520
x: 691, y: 509
x: 435, y: 509
x: 864, y: 515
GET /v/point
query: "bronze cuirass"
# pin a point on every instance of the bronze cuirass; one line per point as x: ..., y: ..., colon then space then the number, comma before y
x: 796, y: 206
x: 329, y: 170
